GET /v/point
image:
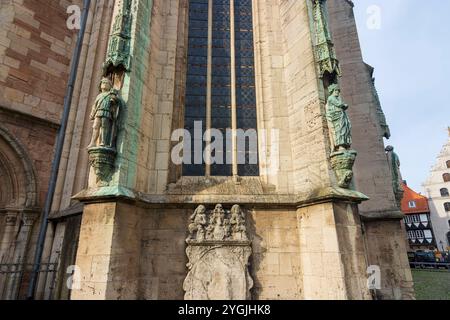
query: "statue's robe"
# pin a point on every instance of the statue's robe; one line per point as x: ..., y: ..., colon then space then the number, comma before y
x: 338, y: 118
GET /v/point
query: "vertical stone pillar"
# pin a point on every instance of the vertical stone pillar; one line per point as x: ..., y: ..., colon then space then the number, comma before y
x: 18, y: 250
x: 332, y: 252
x: 8, y: 234
x: 108, y: 254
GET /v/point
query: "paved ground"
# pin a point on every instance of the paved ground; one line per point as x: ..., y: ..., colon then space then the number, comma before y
x: 432, y: 285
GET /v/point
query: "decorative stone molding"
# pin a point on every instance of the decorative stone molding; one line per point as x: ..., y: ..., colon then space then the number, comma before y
x: 118, y: 55
x: 102, y: 161
x: 218, y: 251
x: 342, y: 164
x: 324, y: 47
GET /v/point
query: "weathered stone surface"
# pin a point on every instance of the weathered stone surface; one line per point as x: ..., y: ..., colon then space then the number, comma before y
x: 218, y: 251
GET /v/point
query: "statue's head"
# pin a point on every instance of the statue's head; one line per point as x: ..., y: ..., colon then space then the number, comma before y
x: 334, y: 89
x: 105, y: 85
x: 389, y: 148
x: 201, y: 209
x: 236, y: 209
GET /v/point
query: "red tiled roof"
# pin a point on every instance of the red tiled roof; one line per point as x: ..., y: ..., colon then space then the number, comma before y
x: 420, y: 200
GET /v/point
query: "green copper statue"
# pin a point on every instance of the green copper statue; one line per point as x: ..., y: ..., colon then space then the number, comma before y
x: 394, y: 163
x: 105, y: 113
x: 338, y: 119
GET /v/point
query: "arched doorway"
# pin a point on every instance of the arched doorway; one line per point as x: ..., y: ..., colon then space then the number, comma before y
x: 18, y: 210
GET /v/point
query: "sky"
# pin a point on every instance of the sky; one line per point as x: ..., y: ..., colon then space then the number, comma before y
x: 409, y: 47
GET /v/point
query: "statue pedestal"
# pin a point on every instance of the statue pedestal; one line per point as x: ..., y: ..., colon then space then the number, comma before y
x: 102, y: 160
x: 342, y: 164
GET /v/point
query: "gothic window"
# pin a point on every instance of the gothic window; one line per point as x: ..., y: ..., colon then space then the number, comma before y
x: 447, y: 206
x: 446, y: 177
x: 448, y: 164
x: 444, y: 192
x: 220, y: 87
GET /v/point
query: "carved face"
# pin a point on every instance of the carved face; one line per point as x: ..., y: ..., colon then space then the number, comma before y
x: 201, y: 210
x: 235, y: 210
x: 336, y: 92
x: 105, y: 85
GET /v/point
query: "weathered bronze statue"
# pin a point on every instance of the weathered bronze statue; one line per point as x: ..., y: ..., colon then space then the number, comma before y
x: 340, y: 124
x: 394, y: 163
x: 105, y: 114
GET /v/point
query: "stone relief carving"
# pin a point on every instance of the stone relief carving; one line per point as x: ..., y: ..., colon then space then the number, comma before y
x: 218, y: 251
x: 342, y: 157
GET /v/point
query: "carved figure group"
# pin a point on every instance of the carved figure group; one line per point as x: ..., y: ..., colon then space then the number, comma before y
x: 222, y: 225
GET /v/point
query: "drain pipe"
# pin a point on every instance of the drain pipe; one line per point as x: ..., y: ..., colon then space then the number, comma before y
x: 58, y: 153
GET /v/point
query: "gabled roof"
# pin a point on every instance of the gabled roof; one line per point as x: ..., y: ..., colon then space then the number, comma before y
x: 421, y: 202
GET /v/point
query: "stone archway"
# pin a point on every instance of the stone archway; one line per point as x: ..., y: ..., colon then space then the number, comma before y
x: 18, y: 209
x: 17, y: 167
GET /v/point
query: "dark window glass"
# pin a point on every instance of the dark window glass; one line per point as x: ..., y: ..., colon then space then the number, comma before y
x: 444, y: 192
x: 196, y: 81
x: 195, y: 108
x: 245, y: 85
x: 447, y: 206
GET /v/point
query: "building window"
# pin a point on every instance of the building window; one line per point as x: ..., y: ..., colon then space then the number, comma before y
x: 420, y: 234
x: 415, y: 218
x: 408, y: 219
x: 446, y: 177
x: 424, y: 218
x: 220, y: 87
x: 448, y: 164
x: 447, y: 206
x: 411, y: 235
x: 411, y: 204
x: 444, y: 192
x: 428, y: 234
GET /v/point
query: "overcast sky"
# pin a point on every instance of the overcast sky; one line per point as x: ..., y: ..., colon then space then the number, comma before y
x: 411, y: 55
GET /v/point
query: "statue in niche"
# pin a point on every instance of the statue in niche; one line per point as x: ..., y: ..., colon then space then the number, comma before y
x: 394, y: 164
x: 198, y: 223
x: 237, y: 222
x: 337, y: 117
x: 105, y: 114
x: 219, y: 226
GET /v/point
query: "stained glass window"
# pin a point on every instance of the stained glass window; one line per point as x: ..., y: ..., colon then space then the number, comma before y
x: 221, y: 91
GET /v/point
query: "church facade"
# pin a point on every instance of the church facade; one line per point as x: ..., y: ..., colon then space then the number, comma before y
x: 298, y: 203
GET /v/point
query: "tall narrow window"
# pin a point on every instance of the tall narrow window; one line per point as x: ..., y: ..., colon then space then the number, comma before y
x: 245, y: 85
x: 446, y: 177
x: 444, y: 192
x: 220, y: 88
x: 196, y: 83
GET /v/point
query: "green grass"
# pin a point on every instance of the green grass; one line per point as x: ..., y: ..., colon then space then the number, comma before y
x: 431, y: 285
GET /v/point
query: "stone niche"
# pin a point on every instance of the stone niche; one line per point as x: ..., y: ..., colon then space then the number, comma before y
x: 218, y: 251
